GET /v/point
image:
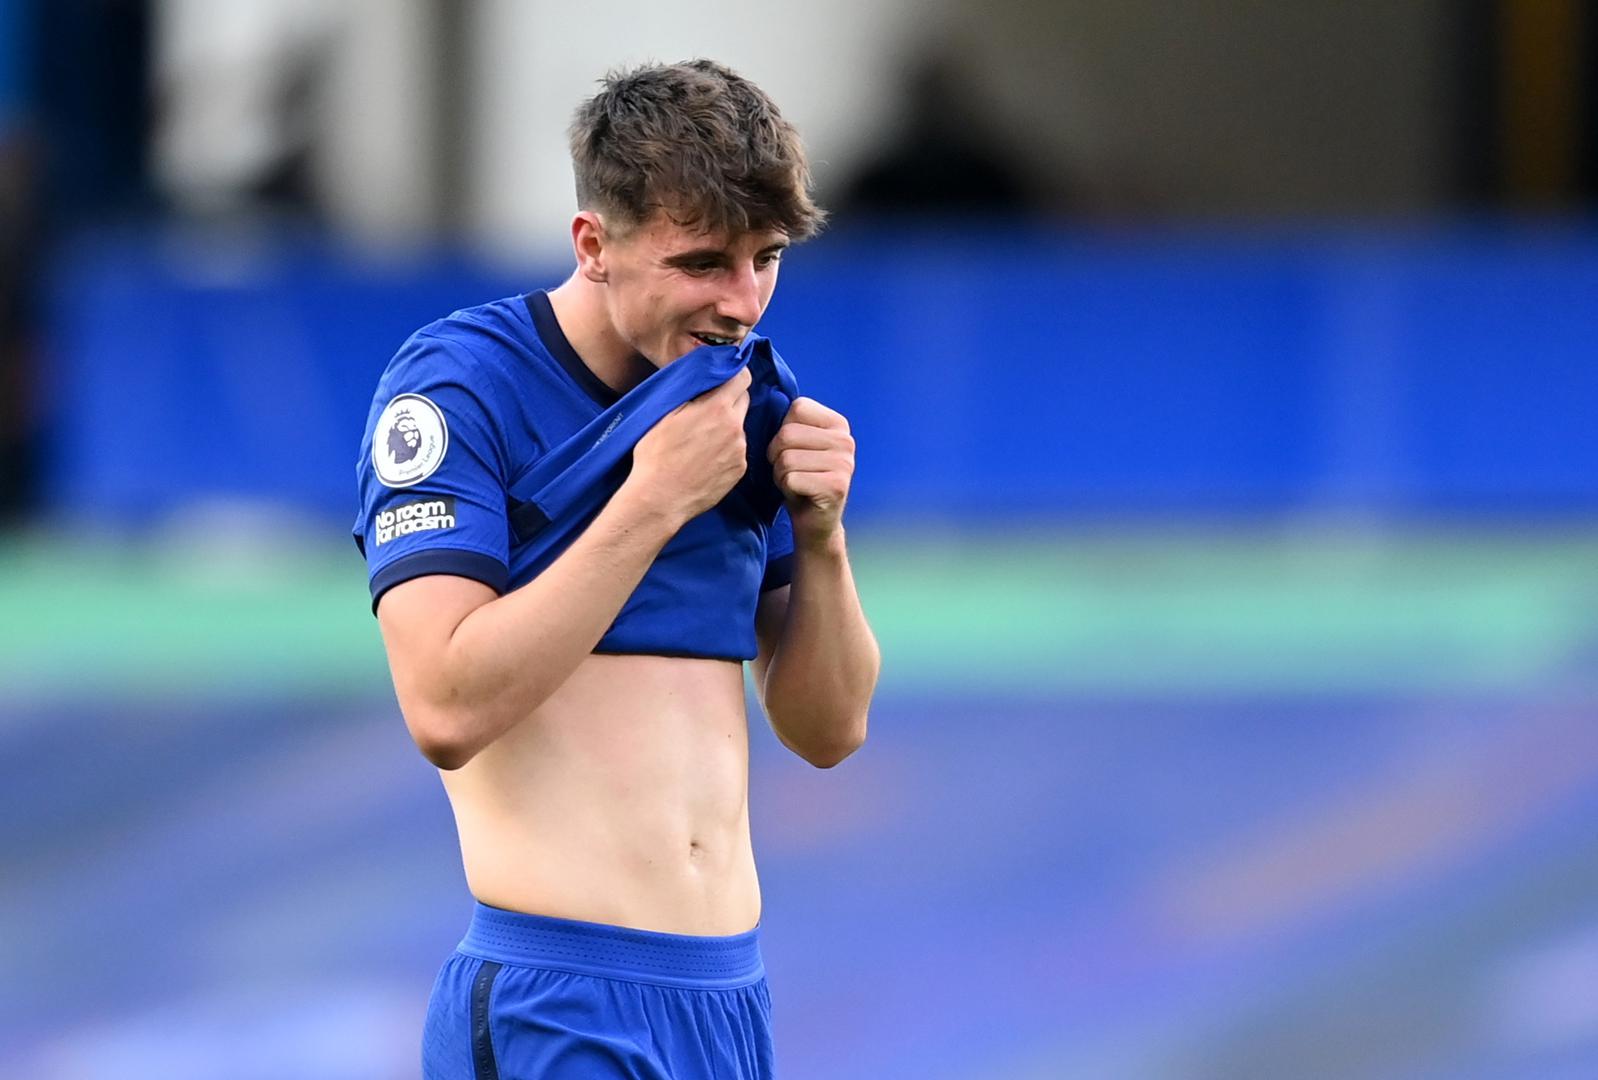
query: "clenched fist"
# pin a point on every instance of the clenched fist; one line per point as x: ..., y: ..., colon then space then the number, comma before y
x: 812, y: 461
x: 690, y: 459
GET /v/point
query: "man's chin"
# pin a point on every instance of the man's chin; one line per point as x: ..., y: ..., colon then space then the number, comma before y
x: 676, y: 351
x: 672, y: 352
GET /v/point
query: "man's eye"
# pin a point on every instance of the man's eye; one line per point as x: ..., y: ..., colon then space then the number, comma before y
x: 770, y: 260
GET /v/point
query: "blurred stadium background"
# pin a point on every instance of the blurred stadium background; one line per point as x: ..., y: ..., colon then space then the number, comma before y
x: 1228, y: 510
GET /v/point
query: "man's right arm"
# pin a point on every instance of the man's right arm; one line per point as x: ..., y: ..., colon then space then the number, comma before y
x: 467, y: 664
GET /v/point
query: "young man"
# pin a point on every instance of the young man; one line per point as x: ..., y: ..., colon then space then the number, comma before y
x: 584, y: 700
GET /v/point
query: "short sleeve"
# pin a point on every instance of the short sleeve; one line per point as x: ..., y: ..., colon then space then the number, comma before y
x: 779, y: 553
x: 431, y: 473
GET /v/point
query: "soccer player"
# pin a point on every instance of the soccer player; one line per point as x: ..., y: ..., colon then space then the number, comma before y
x: 574, y: 668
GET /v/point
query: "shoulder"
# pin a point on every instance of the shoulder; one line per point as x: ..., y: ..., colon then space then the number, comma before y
x: 481, y: 342
x: 447, y: 381
x: 475, y: 356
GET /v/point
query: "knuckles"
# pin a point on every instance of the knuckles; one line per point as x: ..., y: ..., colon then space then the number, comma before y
x: 813, y: 413
x: 840, y: 466
x: 792, y: 436
x: 787, y: 458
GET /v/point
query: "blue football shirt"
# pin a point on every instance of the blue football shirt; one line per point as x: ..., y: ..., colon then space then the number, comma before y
x: 489, y: 446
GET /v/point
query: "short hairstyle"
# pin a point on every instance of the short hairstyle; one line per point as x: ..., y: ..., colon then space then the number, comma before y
x: 697, y: 141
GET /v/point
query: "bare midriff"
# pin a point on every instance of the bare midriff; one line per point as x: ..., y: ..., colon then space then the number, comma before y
x: 623, y: 799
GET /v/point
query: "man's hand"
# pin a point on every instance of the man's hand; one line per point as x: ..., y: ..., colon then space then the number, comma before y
x: 688, y: 461
x: 812, y: 459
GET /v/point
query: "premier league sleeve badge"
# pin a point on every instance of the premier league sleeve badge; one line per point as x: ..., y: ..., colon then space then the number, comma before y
x: 409, y: 442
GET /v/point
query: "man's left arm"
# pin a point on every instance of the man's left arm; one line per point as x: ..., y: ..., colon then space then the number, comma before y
x: 818, y: 660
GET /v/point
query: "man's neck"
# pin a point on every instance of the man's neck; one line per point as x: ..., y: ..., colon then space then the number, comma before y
x: 579, y: 306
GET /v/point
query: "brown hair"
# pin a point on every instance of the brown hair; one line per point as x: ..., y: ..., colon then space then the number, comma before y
x: 698, y: 141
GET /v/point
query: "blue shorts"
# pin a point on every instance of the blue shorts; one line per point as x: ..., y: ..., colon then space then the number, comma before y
x: 528, y: 997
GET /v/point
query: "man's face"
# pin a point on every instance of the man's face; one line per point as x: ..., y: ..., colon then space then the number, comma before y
x: 671, y: 289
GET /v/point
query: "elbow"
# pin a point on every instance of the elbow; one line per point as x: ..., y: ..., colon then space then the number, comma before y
x: 830, y: 756
x: 445, y: 756
x: 449, y: 731
x: 826, y: 755
x: 442, y: 742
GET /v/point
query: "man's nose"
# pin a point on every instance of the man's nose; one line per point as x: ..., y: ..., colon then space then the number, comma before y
x: 741, y: 301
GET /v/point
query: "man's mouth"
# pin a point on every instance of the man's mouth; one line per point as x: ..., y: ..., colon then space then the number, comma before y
x: 712, y: 339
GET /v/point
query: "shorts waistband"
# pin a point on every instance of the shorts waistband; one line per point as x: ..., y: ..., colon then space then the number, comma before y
x: 613, y: 952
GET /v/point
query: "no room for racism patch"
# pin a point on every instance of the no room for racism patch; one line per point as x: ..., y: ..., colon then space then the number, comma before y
x: 423, y: 515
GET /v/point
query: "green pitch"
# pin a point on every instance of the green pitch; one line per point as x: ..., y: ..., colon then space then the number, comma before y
x: 1124, y: 612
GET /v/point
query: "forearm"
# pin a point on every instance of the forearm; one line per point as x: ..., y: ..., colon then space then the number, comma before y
x: 824, y: 665
x: 507, y: 656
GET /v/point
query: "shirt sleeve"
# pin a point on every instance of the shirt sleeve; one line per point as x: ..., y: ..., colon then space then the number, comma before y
x: 779, y: 553
x: 431, y: 474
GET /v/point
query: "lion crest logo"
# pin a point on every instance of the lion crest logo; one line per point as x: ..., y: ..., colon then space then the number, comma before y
x: 404, y: 438
x: 409, y: 441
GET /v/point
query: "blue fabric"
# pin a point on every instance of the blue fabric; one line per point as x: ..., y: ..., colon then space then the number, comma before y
x: 528, y: 996
x: 489, y: 447
x: 570, y: 484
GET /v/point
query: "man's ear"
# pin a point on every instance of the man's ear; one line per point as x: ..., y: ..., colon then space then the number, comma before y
x: 588, y: 244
